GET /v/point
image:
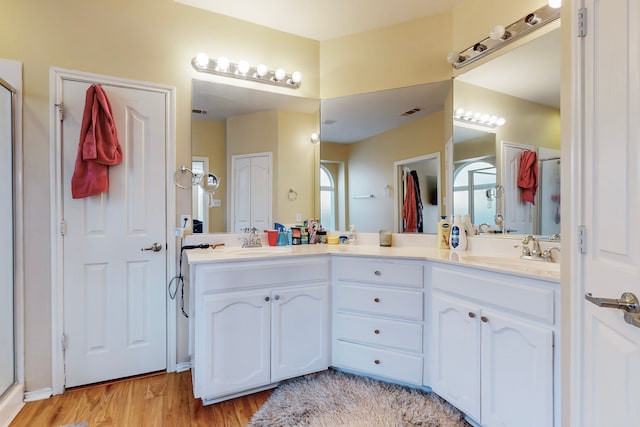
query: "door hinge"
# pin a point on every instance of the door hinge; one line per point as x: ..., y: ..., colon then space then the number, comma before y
x: 63, y: 227
x: 60, y: 108
x: 582, y: 239
x: 582, y: 22
x: 63, y: 342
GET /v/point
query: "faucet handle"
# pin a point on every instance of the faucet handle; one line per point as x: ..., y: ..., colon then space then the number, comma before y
x: 525, y: 250
x: 547, y: 253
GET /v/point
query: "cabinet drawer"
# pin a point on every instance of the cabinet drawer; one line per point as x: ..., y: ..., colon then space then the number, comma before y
x: 400, y: 303
x: 517, y: 294
x: 406, y: 368
x: 380, y: 272
x: 406, y: 336
x: 239, y: 275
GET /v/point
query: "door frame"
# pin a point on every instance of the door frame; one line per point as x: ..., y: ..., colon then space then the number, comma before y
x: 56, y: 78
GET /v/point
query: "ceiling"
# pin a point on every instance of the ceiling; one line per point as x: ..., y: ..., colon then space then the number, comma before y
x: 324, y: 19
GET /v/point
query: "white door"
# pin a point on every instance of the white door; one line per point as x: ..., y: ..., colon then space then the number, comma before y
x: 114, y: 292
x: 251, y: 191
x: 518, y: 215
x: 607, y: 385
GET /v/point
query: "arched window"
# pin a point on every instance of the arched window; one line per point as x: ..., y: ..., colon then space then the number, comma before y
x: 480, y: 204
x: 327, y: 199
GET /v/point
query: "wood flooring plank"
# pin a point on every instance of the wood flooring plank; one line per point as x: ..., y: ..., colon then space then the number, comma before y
x: 164, y: 400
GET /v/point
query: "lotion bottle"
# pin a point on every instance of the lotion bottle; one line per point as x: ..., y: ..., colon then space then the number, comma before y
x: 444, y: 229
x: 458, y: 240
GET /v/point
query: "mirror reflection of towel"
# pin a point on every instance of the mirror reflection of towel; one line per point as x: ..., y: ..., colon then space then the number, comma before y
x: 528, y: 176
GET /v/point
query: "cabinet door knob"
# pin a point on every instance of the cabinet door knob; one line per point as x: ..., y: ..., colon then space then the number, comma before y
x: 377, y: 362
x: 277, y: 297
x: 376, y: 299
x: 377, y: 273
x: 377, y: 331
x: 485, y: 319
x: 472, y: 314
x: 267, y: 299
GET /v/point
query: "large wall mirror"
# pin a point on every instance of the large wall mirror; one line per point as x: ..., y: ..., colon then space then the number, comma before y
x: 253, y: 150
x: 523, y: 87
x: 373, y: 145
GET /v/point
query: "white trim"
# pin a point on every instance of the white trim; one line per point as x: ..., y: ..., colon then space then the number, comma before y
x: 398, y: 182
x: 231, y: 220
x: 573, y: 215
x: 196, y: 194
x: 56, y: 78
x: 183, y: 366
x: 35, y: 395
x: 11, y: 403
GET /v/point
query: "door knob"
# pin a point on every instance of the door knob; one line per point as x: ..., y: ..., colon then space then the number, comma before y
x: 628, y: 302
x: 156, y: 247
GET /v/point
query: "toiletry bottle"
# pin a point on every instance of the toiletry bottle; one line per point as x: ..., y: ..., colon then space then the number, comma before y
x: 468, y: 226
x: 444, y: 230
x: 353, y: 236
x: 458, y: 238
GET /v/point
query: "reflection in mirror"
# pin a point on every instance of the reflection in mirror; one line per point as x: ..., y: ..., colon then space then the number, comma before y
x: 523, y: 86
x: 230, y: 122
x: 368, y: 142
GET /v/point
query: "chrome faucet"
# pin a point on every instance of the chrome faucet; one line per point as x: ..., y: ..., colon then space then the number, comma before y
x: 251, y: 239
x: 535, y: 251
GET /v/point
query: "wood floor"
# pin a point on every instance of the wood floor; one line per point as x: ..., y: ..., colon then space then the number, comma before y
x: 161, y: 400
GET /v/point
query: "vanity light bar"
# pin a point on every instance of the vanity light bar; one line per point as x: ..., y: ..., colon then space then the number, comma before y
x: 500, y: 36
x: 242, y: 70
x: 477, y: 118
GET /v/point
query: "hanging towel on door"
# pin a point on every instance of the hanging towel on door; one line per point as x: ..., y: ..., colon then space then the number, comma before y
x: 98, y: 147
x: 416, y: 187
x: 528, y: 176
x: 409, y: 208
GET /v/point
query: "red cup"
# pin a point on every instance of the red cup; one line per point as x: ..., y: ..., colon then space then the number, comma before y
x: 272, y: 236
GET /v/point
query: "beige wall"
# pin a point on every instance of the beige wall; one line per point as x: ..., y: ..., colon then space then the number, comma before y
x: 208, y: 139
x: 154, y: 40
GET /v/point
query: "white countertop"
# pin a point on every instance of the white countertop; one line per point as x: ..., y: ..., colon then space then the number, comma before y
x: 497, y: 262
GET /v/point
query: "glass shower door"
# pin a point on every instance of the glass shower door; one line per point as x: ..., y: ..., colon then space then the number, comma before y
x: 7, y: 337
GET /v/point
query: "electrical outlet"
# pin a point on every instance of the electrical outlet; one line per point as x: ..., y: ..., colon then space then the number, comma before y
x: 215, y: 203
x: 185, y: 222
x: 298, y: 217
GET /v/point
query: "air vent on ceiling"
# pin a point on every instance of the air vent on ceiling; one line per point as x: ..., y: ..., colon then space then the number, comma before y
x: 196, y: 111
x: 412, y: 111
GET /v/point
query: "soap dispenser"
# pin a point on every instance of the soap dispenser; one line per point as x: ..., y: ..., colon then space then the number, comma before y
x: 458, y: 240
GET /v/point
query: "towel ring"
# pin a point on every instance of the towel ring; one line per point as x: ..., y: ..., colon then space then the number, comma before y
x: 292, y: 194
x: 195, y: 177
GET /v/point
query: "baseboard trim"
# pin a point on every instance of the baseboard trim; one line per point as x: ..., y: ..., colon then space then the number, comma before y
x: 184, y: 366
x: 42, y: 394
x: 11, y: 403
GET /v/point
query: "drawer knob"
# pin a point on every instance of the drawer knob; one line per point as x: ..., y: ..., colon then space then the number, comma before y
x: 472, y: 314
x: 267, y: 299
x: 377, y: 362
x: 277, y: 297
x: 485, y: 319
x: 378, y: 273
x: 377, y: 331
x: 376, y: 299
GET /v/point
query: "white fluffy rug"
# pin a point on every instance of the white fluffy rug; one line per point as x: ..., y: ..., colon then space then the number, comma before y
x: 333, y: 399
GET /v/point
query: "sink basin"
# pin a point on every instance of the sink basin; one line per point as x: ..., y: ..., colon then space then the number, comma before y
x: 527, y: 266
x: 262, y: 251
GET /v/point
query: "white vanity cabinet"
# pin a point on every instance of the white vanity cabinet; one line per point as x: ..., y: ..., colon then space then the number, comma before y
x: 256, y: 323
x: 378, y: 314
x: 492, y: 345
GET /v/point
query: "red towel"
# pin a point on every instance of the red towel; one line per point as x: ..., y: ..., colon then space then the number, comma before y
x: 409, y: 210
x: 98, y: 147
x: 528, y: 176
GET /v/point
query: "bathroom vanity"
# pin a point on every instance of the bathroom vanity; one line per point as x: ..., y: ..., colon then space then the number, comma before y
x: 482, y: 336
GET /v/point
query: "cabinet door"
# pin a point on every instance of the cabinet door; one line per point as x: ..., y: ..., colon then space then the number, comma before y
x: 300, y: 331
x: 517, y: 372
x: 234, y: 350
x: 455, y: 353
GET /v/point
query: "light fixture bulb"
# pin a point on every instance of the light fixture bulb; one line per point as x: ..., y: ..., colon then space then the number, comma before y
x: 223, y: 63
x: 501, y: 121
x: 243, y: 67
x: 453, y: 57
x: 555, y: 3
x: 459, y: 113
x: 296, y: 77
x: 279, y: 74
x: 485, y: 118
x: 492, y: 120
x: 315, y: 138
x: 468, y: 115
x: 262, y: 70
x: 202, y: 59
x: 497, y: 32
